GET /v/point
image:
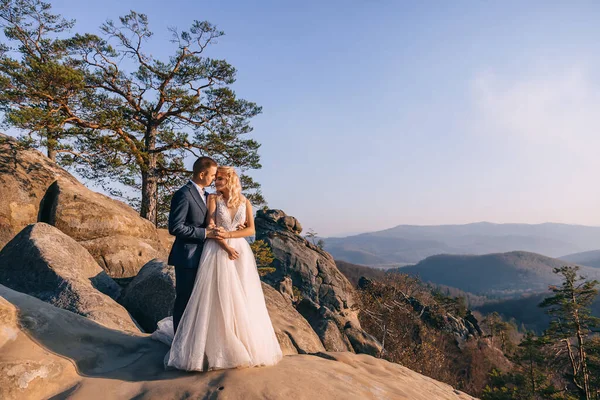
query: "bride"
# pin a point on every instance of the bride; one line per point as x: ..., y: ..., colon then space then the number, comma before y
x: 225, y: 323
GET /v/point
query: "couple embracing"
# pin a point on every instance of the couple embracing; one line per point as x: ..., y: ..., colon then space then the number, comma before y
x: 220, y: 319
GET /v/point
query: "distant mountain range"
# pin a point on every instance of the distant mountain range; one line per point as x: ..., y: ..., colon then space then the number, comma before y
x: 407, y: 244
x: 494, y: 275
x: 589, y: 258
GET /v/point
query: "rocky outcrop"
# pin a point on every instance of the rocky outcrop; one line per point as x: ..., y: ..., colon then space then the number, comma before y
x: 25, y: 174
x: 151, y: 294
x: 46, y: 352
x: 294, y: 333
x: 118, y: 238
x: 44, y: 262
x: 311, y: 269
x: 329, y: 298
x: 36, y: 189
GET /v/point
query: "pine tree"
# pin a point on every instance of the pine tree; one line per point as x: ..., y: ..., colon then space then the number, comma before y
x: 36, y: 77
x: 264, y: 257
x: 572, y: 324
x: 105, y: 107
x: 145, y: 121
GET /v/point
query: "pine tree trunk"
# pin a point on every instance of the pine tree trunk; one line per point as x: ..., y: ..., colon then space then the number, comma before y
x: 149, y: 190
x: 51, y: 153
x: 532, y: 376
x: 580, y: 347
x: 51, y: 143
x: 149, y: 204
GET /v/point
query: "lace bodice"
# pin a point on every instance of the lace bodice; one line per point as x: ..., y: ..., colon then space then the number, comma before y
x: 224, y: 217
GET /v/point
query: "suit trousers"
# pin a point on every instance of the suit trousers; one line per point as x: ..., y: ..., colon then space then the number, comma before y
x: 184, y: 279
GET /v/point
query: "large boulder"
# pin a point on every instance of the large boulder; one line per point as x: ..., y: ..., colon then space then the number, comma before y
x: 25, y: 174
x: 46, y: 352
x: 121, y: 256
x: 118, y: 238
x: 151, y: 294
x: 34, y: 188
x: 329, y: 302
x: 44, y: 262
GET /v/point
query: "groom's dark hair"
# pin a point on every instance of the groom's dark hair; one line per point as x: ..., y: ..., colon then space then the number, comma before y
x: 202, y: 164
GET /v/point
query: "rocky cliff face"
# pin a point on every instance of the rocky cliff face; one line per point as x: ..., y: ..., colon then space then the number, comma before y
x: 328, y: 297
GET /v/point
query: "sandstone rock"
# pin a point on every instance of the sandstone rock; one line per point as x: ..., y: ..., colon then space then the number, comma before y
x: 294, y: 333
x: 28, y: 178
x: 84, y: 215
x: 361, y: 341
x: 46, y: 263
x: 121, y: 256
x: 113, y: 365
x: 118, y: 238
x: 27, y: 370
x: 24, y: 177
x: 325, y: 324
x: 286, y: 288
x: 330, y: 298
x: 292, y: 224
x: 166, y: 241
x: 311, y: 269
x: 49, y: 348
x: 151, y: 294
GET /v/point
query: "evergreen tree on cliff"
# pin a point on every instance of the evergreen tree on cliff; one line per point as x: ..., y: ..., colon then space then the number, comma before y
x: 130, y: 118
x: 145, y: 121
x: 572, y: 325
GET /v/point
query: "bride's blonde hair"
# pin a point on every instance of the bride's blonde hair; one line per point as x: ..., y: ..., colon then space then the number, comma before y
x: 233, y: 184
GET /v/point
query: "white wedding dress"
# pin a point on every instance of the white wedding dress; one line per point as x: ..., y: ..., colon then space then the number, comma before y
x: 225, y: 323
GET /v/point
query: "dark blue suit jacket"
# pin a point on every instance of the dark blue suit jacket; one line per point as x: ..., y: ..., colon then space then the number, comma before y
x: 187, y: 222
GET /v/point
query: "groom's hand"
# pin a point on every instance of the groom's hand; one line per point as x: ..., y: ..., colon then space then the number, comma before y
x: 217, y: 233
x: 241, y: 226
x: 213, y: 233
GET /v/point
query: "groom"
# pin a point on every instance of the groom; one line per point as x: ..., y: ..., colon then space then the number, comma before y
x: 187, y: 222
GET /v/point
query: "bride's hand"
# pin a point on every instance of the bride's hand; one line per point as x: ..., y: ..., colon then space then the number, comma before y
x: 233, y: 254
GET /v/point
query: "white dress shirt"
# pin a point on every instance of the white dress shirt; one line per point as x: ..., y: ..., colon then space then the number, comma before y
x: 200, y: 191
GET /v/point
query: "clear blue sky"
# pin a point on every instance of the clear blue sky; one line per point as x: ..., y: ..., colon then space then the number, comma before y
x: 379, y: 113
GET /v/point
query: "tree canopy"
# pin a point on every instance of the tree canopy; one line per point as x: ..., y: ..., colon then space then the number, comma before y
x: 114, y: 113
